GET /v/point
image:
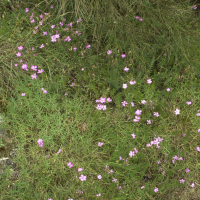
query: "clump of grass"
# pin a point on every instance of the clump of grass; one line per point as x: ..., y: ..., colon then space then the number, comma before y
x: 115, y: 118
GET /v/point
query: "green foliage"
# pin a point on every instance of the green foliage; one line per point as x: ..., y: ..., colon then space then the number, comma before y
x: 163, y: 47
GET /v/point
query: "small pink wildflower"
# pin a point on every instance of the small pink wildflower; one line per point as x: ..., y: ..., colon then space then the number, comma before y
x: 155, y: 189
x: 100, y: 144
x: 82, y: 177
x: 182, y: 181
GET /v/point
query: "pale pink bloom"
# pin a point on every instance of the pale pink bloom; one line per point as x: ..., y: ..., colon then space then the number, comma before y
x: 80, y: 169
x: 34, y: 76
x: 20, y: 48
x: 124, y: 86
x: 99, y: 176
x: 42, y: 46
x: 126, y: 69
x: 40, y: 71
x: 114, y: 180
x: 182, y: 181
x: 59, y: 151
x: 148, y: 121
x: 82, y: 177
x: 149, y: 81
x: 156, y: 114
x: 143, y: 101
x: 100, y: 144
x: 155, y: 189
x: 132, y: 153
x: 109, y: 99
x: 18, y: 54
x: 177, y: 112
x: 192, y: 185
x: 109, y: 52
x: 132, y: 82
x: 168, y: 89
x: 187, y: 170
x: 138, y: 112
x: 136, y: 119
x: 133, y: 135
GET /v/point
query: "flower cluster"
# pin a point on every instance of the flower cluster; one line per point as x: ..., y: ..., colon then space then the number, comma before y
x: 102, y: 100
x: 176, y: 158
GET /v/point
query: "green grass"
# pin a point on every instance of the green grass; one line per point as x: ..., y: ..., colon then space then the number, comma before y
x: 164, y: 47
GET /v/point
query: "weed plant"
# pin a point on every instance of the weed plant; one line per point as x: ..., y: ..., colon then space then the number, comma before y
x: 102, y: 102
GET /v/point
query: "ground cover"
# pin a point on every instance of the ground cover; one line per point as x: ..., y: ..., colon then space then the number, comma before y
x: 102, y: 102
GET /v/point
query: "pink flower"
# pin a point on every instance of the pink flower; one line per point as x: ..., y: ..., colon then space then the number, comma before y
x: 136, y: 119
x: 123, y: 55
x: 18, y: 54
x: 80, y: 169
x: 124, y: 103
x: 177, y: 112
x: 100, y: 144
x: 182, y: 181
x: 44, y: 91
x: 187, y: 170
x: 168, y: 89
x: 114, y: 180
x: 34, y: 76
x: 155, y: 189
x: 124, y: 86
x: 148, y: 121
x: 109, y: 52
x: 59, y: 151
x: 133, y: 135
x: 82, y: 177
x: 195, y: 7
x: 109, y: 99
x: 132, y: 153
x: 20, y: 48
x: 138, y: 112
x: 156, y: 114
x: 70, y: 165
x: 143, y: 101
x: 132, y: 104
x: 132, y: 82
x: 42, y: 46
x: 192, y: 185
x: 40, y: 142
x: 149, y: 81
x: 126, y: 69
x: 99, y: 176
